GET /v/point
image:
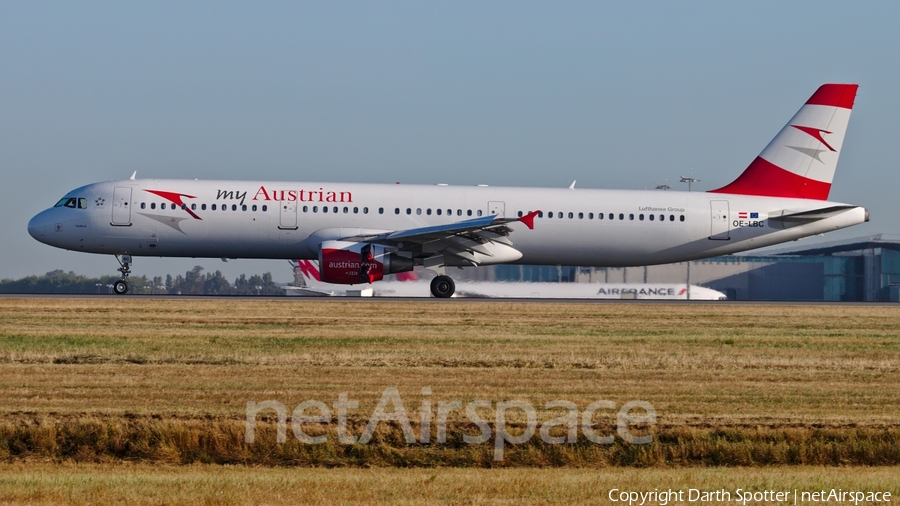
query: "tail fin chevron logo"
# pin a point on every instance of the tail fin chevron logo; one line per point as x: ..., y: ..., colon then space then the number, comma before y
x: 816, y: 133
x: 800, y: 161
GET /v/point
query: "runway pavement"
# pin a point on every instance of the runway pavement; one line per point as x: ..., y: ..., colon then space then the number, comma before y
x: 455, y: 300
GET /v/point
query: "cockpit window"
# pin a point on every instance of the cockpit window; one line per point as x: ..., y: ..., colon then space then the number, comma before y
x: 73, y: 202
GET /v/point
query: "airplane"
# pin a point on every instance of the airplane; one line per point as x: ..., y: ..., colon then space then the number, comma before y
x: 361, y: 232
x: 309, y: 284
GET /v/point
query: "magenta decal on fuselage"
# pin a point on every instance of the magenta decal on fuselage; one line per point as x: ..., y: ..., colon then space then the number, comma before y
x: 320, y: 195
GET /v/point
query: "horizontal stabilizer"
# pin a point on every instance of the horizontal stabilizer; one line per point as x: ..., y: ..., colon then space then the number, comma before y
x: 787, y: 218
x: 808, y: 216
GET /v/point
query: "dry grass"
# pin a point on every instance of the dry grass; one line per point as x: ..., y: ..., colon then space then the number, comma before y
x: 755, y: 384
x: 200, y: 484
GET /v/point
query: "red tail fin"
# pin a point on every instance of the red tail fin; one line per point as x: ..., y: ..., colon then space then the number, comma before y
x: 801, y: 160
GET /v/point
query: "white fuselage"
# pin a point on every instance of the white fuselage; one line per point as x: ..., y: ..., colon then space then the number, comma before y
x: 288, y: 221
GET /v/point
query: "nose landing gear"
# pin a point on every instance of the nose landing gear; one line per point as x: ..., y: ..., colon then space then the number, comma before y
x: 121, y: 286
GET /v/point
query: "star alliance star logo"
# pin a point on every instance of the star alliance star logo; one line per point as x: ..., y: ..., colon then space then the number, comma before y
x: 99, y: 202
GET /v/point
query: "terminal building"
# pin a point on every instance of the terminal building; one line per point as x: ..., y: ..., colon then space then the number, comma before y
x: 864, y: 269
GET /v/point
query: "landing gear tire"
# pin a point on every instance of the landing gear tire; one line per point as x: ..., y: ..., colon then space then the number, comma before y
x: 443, y: 287
x: 121, y: 287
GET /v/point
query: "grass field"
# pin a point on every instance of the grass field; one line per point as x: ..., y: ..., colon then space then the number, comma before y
x: 163, y: 383
x: 202, y: 484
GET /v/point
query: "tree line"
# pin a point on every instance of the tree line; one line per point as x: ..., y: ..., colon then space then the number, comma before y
x: 193, y: 282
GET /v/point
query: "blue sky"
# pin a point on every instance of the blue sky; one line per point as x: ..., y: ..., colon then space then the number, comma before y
x: 615, y: 95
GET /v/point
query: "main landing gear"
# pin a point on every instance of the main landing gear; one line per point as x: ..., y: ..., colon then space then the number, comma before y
x: 121, y: 286
x: 442, y: 287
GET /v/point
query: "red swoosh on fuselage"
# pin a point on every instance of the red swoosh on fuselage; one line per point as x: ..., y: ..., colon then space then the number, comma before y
x: 175, y: 198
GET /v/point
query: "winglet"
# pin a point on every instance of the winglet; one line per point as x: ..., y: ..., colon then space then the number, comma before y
x: 528, y: 219
x: 133, y: 175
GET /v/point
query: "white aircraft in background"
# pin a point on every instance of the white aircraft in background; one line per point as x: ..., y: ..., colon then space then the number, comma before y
x: 408, y: 284
x: 361, y: 232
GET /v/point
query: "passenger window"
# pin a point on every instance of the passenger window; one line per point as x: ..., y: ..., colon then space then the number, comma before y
x: 438, y: 212
x: 571, y: 215
x: 459, y: 212
x: 355, y: 210
x: 621, y: 216
x: 651, y: 217
x: 253, y: 208
x: 681, y: 218
x: 213, y: 206
x: 428, y: 211
x: 243, y: 207
x: 265, y: 208
x: 153, y: 205
x: 520, y: 214
x: 203, y: 207
x: 324, y: 209
x: 408, y: 211
x: 194, y: 207
x: 671, y: 217
x: 234, y: 207
x: 315, y: 209
x: 396, y: 210
x: 479, y: 212
x: 559, y: 215
x: 580, y: 216
x: 419, y: 211
x: 469, y: 212
x: 631, y: 216
x: 143, y: 205
x: 550, y: 214
x: 183, y: 207
x: 641, y: 217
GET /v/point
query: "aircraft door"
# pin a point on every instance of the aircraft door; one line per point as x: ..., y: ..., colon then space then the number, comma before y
x: 121, y: 208
x: 720, y: 226
x: 497, y: 209
x: 288, y: 215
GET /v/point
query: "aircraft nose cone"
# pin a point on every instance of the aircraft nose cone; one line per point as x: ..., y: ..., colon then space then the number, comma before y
x: 40, y: 226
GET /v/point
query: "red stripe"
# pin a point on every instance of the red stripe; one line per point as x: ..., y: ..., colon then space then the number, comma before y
x: 834, y: 95
x: 768, y: 180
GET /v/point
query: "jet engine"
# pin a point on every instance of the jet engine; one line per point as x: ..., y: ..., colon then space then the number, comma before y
x: 349, y: 263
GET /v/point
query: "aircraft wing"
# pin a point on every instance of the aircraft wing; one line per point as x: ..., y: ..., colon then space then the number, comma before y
x: 469, y: 241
